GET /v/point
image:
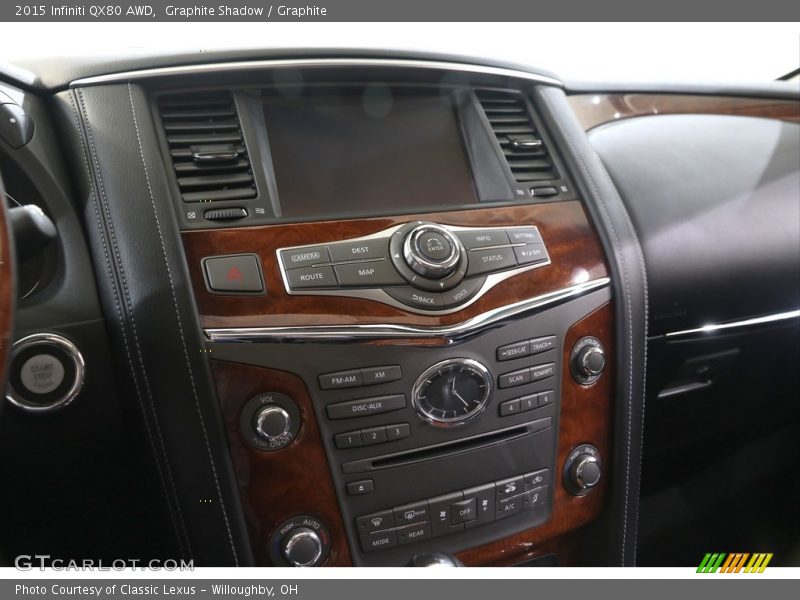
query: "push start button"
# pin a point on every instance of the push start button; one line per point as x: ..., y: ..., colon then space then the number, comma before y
x: 42, y: 374
x: 46, y: 372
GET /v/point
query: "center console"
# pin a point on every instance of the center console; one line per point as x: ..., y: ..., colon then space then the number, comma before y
x: 408, y: 315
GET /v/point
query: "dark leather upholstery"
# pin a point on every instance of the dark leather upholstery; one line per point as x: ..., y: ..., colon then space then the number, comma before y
x: 147, y: 300
x: 716, y: 202
x: 629, y: 277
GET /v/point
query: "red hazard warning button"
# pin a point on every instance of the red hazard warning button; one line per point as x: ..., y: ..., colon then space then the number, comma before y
x: 239, y: 273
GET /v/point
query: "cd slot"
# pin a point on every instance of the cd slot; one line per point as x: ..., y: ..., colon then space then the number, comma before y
x: 447, y: 449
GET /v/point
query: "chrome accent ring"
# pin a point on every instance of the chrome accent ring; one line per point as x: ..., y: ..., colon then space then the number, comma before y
x: 413, y: 253
x: 294, y: 539
x: 473, y: 365
x: 48, y: 339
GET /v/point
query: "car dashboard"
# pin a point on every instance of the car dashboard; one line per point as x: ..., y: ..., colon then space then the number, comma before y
x: 358, y: 310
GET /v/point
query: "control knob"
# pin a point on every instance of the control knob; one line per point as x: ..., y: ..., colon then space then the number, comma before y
x: 588, y: 360
x: 302, y: 547
x: 431, y: 251
x: 582, y: 470
x: 273, y: 422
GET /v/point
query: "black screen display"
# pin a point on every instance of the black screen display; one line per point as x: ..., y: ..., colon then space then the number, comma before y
x: 338, y: 152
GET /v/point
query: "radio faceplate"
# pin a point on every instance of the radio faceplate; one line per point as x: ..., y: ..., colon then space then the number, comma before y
x: 388, y: 465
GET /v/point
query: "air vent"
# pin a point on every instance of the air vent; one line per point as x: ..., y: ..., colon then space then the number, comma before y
x: 522, y: 146
x: 207, y: 147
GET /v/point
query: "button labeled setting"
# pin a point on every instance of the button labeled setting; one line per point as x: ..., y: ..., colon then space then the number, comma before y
x: 240, y: 273
x: 524, y: 235
x: 366, y: 406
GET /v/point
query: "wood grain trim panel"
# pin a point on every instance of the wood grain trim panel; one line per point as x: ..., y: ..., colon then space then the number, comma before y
x: 573, y: 245
x: 276, y: 486
x: 596, y: 109
x: 586, y: 417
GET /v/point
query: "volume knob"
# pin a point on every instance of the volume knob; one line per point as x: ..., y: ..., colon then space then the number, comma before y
x: 302, y: 547
x: 273, y: 422
x: 431, y: 251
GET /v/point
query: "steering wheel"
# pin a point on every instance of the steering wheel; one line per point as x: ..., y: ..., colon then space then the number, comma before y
x: 7, y: 287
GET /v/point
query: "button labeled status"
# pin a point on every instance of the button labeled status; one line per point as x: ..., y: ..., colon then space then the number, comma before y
x: 486, y: 261
x: 239, y: 273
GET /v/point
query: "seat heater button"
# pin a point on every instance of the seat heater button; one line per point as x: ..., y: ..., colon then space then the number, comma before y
x: 524, y: 235
x: 530, y: 254
x: 359, y: 249
x: 368, y: 274
x: 311, y: 277
x: 341, y: 379
x: 487, y: 261
x: 366, y: 407
x: 238, y: 273
x: 482, y: 238
x: 304, y: 257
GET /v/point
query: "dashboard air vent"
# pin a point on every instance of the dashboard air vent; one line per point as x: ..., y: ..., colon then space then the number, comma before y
x: 522, y: 146
x: 207, y: 146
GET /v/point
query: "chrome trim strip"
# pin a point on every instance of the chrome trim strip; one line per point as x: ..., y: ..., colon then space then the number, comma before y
x: 451, y: 333
x: 714, y: 328
x: 308, y: 63
x: 379, y: 295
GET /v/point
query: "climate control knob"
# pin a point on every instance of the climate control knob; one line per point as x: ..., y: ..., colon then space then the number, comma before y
x: 302, y: 547
x: 273, y: 422
x: 582, y: 470
x: 587, y: 361
x: 431, y: 251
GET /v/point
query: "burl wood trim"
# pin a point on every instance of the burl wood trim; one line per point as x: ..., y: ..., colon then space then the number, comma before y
x: 596, y: 109
x: 276, y: 486
x: 573, y: 245
x: 586, y: 414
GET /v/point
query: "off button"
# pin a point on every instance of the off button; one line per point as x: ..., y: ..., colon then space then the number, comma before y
x: 42, y: 374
